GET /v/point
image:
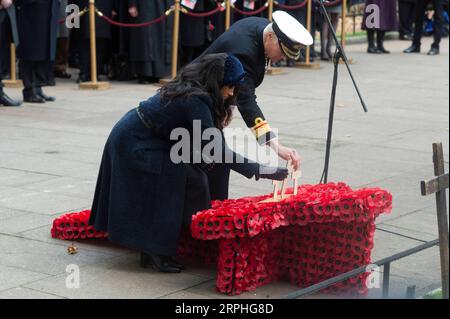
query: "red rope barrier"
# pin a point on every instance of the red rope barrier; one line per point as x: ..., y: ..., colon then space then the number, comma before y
x: 203, y: 14
x: 133, y: 25
x: 251, y: 13
x: 291, y: 7
x: 332, y: 3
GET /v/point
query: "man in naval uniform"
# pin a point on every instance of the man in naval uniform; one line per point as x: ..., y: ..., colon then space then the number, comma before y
x: 257, y: 41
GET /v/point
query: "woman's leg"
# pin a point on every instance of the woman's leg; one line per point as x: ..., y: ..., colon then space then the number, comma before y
x: 334, y: 22
x: 323, y: 41
x: 380, y: 41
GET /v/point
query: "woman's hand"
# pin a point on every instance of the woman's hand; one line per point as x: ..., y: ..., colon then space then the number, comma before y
x: 133, y: 11
x: 273, y: 173
x: 286, y: 153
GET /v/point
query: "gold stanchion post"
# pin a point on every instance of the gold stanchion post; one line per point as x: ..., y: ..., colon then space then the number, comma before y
x: 93, y: 84
x: 308, y: 64
x: 227, y: 14
x: 175, y: 40
x: 343, y: 29
x: 272, y: 70
x: 13, y: 82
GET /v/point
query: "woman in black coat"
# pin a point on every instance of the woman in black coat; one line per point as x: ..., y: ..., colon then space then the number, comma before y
x: 146, y: 190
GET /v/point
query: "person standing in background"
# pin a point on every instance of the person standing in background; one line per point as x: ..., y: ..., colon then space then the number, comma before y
x: 150, y: 47
x: 325, y: 33
x: 387, y: 22
x: 192, y: 34
x: 62, y: 48
x: 37, y: 22
x: 8, y: 34
x: 406, y: 12
x: 300, y: 15
x: 418, y: 28
x: 102, y: 33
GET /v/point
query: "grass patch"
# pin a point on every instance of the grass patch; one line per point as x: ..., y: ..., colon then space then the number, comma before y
x: 437, y: 294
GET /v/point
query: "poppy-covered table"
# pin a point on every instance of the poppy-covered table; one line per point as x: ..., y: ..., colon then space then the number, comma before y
x: 322, y: 231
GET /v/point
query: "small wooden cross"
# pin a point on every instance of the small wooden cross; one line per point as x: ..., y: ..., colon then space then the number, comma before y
x: 438, y: 186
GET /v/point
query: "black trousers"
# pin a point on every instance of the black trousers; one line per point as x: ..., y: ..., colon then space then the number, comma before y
x: 438, y: 20
x: 5, y: 39
x: 85, y: 57
x: 406, y: 12
x: 34, y: 75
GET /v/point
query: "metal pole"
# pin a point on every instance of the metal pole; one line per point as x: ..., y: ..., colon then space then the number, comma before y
x: 13, y: 62
x: 227, y: 14
x: 308, y: 27
x: 270, y: 10
x: 93, y: 41
x: 386, y: 274
x: 93, y: 84
x: 176, y: 30
x: 344, y: 18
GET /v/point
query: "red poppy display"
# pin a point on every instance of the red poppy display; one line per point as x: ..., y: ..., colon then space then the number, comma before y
x: 323, y: 231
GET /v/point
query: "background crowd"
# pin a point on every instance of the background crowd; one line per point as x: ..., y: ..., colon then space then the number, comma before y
x: 46, y: 48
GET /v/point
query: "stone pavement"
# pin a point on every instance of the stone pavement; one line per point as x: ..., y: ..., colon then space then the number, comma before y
x: 50, y: 154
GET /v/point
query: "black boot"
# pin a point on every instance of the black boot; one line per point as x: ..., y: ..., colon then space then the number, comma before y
x: 159, y: 262
x: 380, y: 42
x: 5, y: 100
x: 371, y: 39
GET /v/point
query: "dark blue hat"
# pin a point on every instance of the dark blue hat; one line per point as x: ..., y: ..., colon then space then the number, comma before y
x: 234, y: 73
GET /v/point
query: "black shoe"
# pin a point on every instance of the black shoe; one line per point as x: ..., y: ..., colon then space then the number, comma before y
x: 373, y: 50
x: 412, y: 49
x: 46, y: 97
x: 159, y: 262
x: 5, y: 100
x: 383, y: 50
x: 34, y: 99
x: 62, y: 75
x: 433, y: 51
x: 325, y: 57
x: 405, y: 37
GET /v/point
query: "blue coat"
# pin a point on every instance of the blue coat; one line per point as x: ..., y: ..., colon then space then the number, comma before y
x: 140, y: 197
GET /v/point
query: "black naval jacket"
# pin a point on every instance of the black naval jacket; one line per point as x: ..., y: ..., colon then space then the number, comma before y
x: 244, y: 39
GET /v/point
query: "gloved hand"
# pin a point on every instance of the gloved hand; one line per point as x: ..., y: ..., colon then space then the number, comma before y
x: 274, y: 173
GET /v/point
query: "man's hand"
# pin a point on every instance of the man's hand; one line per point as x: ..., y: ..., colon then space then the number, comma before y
x: 286, y: 153
x: 5, y: 4
x: 133, y: 11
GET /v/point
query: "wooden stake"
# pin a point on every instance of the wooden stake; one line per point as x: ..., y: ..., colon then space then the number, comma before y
x: 441, y: 203
x: 93, y: 84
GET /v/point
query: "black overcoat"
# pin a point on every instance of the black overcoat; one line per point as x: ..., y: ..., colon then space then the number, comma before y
x: 244, y: 39
x: 140, y: 194
x: 193, y: 29
x: 37, y: 24
x: 151, y: 44
x: 11, y: 14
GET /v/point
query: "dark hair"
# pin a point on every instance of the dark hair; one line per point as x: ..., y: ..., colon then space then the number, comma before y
x: 203, y: 77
